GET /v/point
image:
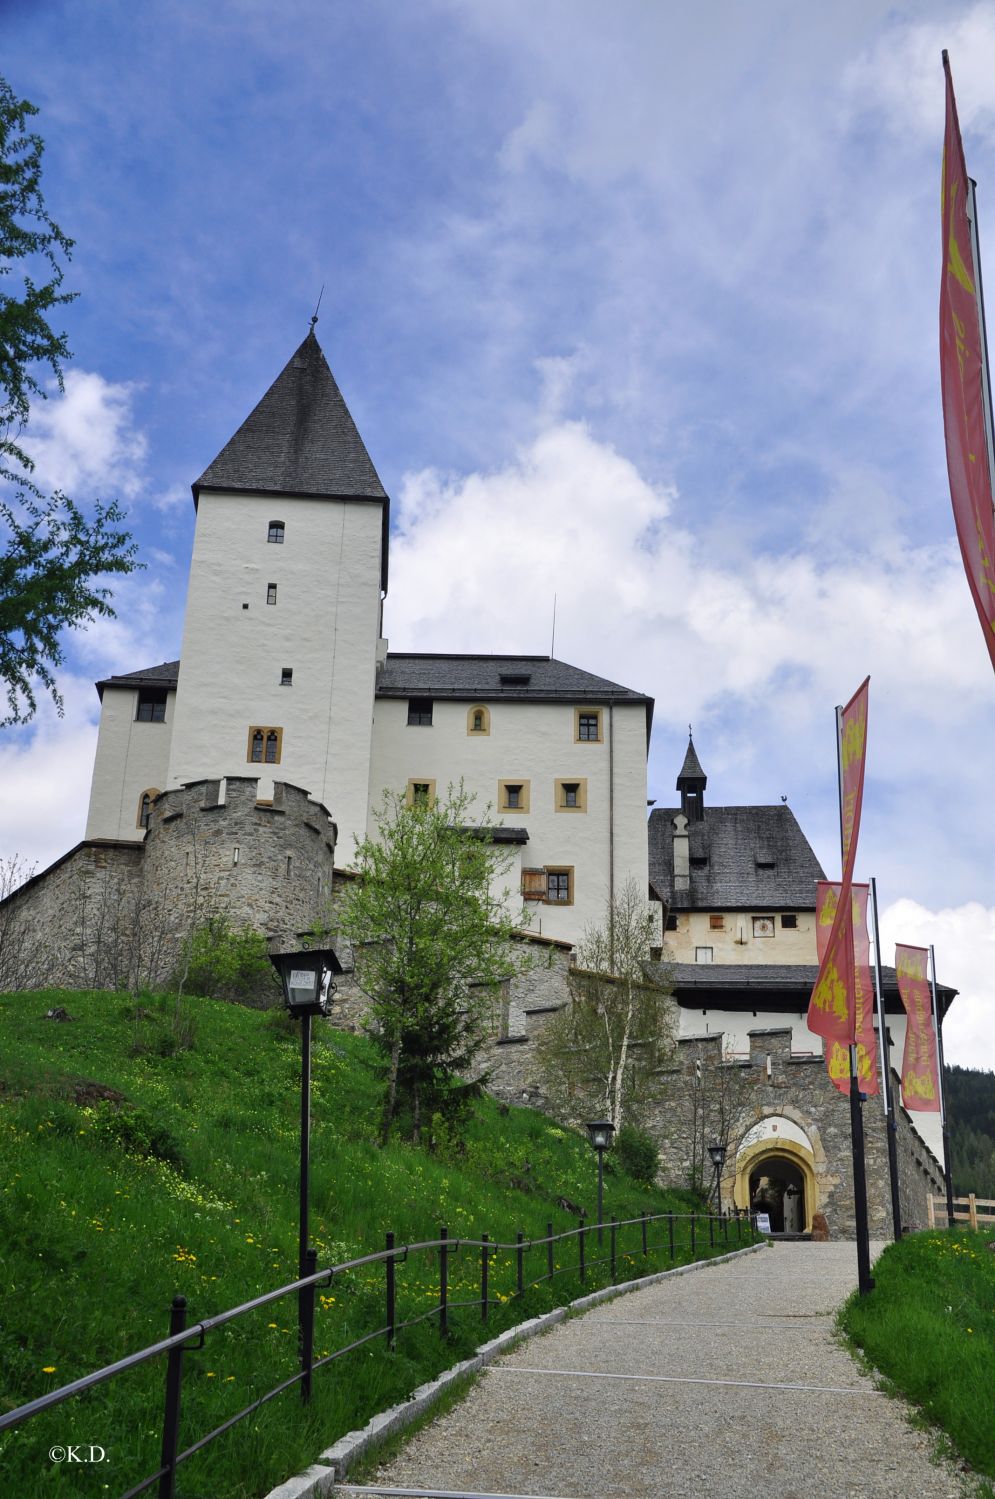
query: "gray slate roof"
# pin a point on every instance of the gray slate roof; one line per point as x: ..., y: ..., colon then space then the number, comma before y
x: 741, y: 857
x: 783, y: 980
x: 164, y: 675
x: 479, y: 678
x: 300, y: 439
x: 691, y: 769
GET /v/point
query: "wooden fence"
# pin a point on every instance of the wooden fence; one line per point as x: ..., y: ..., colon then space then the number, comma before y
x: 966, y: 1210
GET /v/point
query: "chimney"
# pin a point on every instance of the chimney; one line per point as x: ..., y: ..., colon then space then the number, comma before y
x: 682, y: 860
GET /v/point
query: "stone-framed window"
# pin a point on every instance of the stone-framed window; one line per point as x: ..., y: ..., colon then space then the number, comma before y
x: 513, y: 796
x: 420, y: 792
x: 560, y: 885
x: 145, y: 807
x: 265, y: 746
x: 570, y: 795
x: 478, y: 720
x: 587, y: 725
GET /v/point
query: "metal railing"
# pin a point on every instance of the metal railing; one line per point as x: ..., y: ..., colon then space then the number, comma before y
x: 675, y: 1233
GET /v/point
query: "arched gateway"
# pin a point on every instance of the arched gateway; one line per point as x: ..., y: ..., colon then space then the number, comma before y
x: 775, y: 1174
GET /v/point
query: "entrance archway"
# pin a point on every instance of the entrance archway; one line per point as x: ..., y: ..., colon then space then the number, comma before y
x: 784, y: 1161
x: 777, y: 1188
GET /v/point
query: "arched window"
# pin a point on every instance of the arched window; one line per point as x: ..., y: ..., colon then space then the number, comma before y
x: 257, y: 747
x: 272, y: 747
x: 145, y: 807
x: 478, y: 720
x: 265, y: 745
x: 275, y: 532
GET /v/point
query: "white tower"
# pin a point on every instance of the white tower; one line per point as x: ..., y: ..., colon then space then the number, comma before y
x: 283, y: 614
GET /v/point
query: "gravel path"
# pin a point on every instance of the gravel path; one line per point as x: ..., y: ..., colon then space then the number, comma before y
x: 727, y: 1382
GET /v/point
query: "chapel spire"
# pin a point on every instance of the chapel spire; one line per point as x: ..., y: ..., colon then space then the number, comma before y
x: 691, y: 784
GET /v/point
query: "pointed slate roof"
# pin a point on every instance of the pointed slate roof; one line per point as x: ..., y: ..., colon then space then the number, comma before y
x: 299, y: 440
x: 691, y: 769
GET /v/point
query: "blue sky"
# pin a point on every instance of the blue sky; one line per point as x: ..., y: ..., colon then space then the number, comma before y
x: 649, y: 290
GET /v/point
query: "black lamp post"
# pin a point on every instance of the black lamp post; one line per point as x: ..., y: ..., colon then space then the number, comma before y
x: 602, y: 1132
x: 307, y: 990
x: 718, y: 1155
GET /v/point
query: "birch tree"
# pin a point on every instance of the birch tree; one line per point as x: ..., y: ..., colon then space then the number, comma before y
x: 601, y: 1054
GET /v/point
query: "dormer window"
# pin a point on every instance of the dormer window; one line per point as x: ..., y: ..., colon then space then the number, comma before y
x: 275, y: 532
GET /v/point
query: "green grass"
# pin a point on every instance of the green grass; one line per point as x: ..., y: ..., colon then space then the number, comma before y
x: 108, y: 1210
x: 929, y: 1326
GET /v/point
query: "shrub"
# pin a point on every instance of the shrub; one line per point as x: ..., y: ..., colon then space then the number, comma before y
x: 133, y: 1130
x: 637, y: 1154
x: 231, y: 962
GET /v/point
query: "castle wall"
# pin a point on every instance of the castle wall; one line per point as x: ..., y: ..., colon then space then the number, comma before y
x: 116, y: 914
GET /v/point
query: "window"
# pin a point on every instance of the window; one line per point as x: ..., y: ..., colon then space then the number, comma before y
x: 703, y: 955
x: 716, y: 924
x: 513, y: 796
x: 763, y: 926
x: 671, y: 923
x: 478, y: 720
x: 151, y: 705
x: 420, y: 793
x: 571, y: 796
x: 271, y: 593
x: 420, y: 711
x: 145, y: 807
x: 265, y: 745
x: 275, y: 532
x: 587, y: 725
x: 559, y: 887
x: 789, y: 920
x: 287, y: 676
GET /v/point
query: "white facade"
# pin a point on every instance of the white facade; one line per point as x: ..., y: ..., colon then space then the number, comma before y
x: 321, y: 626
x: 533, y: 745
x: 132, y: 758
x: 743, y: 937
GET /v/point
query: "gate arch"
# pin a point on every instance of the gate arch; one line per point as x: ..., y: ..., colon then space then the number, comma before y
x: 751, y: 1157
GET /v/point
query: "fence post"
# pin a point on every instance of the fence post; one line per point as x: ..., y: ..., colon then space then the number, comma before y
x: 485, y: 1246
x: 443, y: 1282
x: 670, y: 1234
x: 645, y: 1245
x: 520, y: 1254
x: 711, y: 1231
x: 391, y: 1294
x: 307, y: 1325
x: 614, y: 1234
x: 693, y: 1226
x: 549, y: 1250
x: 972, y: 1208
x: 725, y: 1230
x: 171, y: 1418
x: 580, y: 1241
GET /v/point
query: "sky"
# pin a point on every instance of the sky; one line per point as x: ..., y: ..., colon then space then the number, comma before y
x: 648, y: 291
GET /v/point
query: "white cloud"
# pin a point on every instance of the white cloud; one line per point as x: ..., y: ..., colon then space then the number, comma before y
x: 85, y: 442
x: 964, y: 939
x: 45, y: 772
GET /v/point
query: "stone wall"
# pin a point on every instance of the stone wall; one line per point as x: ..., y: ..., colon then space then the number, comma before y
x: 115, y: 914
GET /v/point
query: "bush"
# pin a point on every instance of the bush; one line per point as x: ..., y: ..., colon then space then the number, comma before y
x: 134, y: 1131
x: 637, y: 1154
x: 231, y: 962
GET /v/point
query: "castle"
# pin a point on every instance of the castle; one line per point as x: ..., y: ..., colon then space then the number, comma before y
x: 240, y: 777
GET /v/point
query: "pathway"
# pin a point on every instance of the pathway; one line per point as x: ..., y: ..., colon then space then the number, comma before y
x: 726, y: 1382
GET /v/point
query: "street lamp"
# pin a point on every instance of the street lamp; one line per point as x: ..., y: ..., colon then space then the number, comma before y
x: 718, y: 1155
x: 602, y: 1132
x: 307, y: 990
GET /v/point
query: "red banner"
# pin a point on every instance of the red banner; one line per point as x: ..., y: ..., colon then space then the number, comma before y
x: 832, y: 1009
x: 837, y: 1054
x: 920, y: 1076
x: 960, y: 378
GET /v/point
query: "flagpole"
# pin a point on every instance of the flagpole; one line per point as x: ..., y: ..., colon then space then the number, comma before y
x: 864, y: 1281
x: 938, y: 1032
x: 891, y: 1121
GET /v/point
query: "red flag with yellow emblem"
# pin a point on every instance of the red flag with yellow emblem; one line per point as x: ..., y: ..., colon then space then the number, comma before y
x: 920, y: 1076
x: 832, y: 1010
x: 962, y: 358
x: 837, y: 1052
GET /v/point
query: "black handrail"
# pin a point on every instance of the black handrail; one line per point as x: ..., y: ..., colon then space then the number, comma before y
x: 179, y: 1341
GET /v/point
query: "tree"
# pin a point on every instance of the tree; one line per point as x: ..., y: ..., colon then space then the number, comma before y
x: 53, y: 556
x: 430, y: 931
x: 601, y: 1054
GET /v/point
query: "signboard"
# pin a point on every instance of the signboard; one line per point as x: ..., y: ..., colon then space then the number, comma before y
x: 763, y: 1223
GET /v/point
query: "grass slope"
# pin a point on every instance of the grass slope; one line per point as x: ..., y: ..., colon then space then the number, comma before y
x: 929, y: 1325
x: 109, y: 1208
